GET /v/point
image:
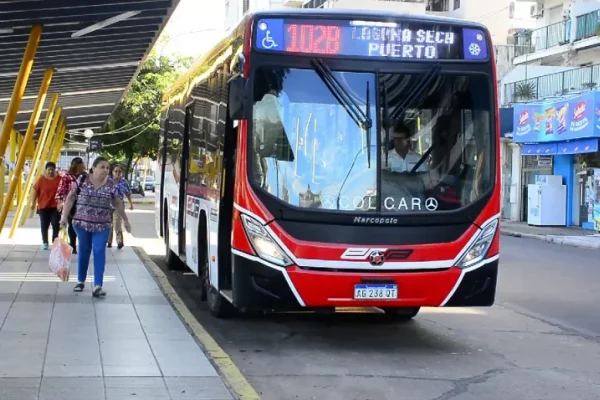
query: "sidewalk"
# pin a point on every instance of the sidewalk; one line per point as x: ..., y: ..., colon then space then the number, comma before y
x: 568, y: 236
x: 59, y: 345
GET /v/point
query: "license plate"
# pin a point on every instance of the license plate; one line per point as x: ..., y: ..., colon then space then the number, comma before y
x: 375, y: 292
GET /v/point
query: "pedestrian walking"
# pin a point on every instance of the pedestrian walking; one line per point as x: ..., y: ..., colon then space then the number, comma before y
x: 122, y: 191
x: 95, y: 195
x: 67, y: 182
x: 44, y: 193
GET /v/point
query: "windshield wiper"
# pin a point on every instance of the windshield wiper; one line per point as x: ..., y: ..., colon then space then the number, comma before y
x: 386, y: 124
x: 361, y: 119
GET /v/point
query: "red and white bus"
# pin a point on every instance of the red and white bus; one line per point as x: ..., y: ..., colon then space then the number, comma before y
x: 316, y: 159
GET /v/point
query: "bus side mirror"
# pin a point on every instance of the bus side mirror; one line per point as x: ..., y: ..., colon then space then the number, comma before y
x: 237, y: 92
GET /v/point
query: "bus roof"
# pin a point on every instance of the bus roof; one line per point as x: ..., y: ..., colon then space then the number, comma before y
x: 199, y: 66
x: 370, y: 14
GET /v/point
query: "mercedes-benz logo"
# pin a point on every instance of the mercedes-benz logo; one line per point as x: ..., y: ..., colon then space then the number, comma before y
x: 327, y: 201
x: 376, y: 258
x: 431, y: 204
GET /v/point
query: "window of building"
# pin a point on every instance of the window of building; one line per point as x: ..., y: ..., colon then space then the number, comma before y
x: 438, y: 5
x: 245, y: 6
x: 456, y: 4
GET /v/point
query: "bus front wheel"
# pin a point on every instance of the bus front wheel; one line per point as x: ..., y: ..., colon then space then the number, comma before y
x: 218, y: 306
x: 402, y: 314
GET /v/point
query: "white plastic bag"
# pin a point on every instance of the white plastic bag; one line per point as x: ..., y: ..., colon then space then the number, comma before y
x: 60, y: 257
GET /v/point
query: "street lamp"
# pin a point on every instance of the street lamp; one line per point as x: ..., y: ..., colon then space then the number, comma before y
x: 88, y: 133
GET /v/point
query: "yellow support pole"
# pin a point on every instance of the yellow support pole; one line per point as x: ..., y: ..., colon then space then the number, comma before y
x: 53, y: 136
x: 26, y: 140
x: 2, y: 172
x: 19, y: 88
x: 20, y: 181
x: 44, y: 156
x: 59, y: 143
x: 36, y: 167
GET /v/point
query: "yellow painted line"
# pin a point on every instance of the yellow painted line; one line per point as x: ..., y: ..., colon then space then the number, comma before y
x: 230, y: 373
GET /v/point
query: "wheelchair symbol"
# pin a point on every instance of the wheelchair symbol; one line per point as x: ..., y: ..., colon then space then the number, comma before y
x: 268, y: 42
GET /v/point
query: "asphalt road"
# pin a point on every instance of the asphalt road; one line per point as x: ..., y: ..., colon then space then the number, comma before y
x: 540, y: 341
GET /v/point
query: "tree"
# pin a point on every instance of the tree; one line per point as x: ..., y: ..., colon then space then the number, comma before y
x: 137, y: 117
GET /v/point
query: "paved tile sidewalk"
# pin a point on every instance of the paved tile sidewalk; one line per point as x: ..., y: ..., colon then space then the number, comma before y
x: 571, y: 236
x: 59, y: 345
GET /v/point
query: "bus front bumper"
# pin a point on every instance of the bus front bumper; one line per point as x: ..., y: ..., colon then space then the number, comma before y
x: 260, y: 286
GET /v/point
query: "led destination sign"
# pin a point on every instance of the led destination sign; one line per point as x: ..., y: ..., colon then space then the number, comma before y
x: 371, y: 39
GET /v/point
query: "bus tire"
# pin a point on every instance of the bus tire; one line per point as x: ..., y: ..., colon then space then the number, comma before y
x: 402, y: 314
x: 218, y: 306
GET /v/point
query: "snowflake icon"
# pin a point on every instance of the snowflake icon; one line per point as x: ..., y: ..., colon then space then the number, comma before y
x: 474, y: 49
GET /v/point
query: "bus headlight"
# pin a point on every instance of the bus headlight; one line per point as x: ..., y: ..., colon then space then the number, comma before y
x: 479, y: 248
x: 263, y: 243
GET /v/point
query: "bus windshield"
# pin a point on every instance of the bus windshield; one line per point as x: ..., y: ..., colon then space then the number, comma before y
x: 429, y: 149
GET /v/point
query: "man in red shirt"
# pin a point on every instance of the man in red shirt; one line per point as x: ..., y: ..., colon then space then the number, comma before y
x: 44, y: 191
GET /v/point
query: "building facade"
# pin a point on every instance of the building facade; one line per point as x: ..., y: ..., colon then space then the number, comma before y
x: 553, y: 89
x: 502, y: 19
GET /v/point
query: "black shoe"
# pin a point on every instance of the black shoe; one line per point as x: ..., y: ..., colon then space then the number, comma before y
x: 109, y: 245
x: 98, y: 292
x: 79, y: 287
x: 120, y: 246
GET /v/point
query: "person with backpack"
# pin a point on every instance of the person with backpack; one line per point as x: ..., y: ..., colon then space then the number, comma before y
x: 44, y: 194
x: 67, y: 182
x: 94, y: 197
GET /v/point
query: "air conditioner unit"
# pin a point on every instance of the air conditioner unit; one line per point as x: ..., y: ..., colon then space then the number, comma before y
x: 537, y: 10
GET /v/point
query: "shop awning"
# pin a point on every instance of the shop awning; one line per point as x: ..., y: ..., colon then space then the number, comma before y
x: 578, y: 146
x: 540, y: 149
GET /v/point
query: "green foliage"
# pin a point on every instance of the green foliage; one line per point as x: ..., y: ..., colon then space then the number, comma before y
x: 138, y: 115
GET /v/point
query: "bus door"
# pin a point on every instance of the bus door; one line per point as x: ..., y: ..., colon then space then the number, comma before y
x: 184, y: 174
x: 226, y: 204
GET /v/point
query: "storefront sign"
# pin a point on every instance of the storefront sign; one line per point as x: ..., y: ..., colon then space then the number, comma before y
x: 556, y: 121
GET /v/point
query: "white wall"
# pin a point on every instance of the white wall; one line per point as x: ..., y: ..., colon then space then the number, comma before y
x: 521, y: 72
x: 583, y: 57
x: 551, y: 16
x: 394, y: 6
x: 233, y: 13
x: 582, y: 7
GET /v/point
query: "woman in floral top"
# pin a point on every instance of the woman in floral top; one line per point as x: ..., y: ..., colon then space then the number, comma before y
x: 96, y: 195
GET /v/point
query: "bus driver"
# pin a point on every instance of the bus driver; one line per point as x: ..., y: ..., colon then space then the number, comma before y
x: 401, y: 158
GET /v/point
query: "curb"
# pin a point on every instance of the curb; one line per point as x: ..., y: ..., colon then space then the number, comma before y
x: 552, y: 239
x: 228, y: 371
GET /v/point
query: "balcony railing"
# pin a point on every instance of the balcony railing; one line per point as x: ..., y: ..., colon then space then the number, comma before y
x: 587, y: 25
x: 552, y: 85
x: 543, y: 38
x: 558, y: 34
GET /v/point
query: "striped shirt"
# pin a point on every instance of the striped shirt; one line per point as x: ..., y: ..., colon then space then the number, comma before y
x: 94, y: 206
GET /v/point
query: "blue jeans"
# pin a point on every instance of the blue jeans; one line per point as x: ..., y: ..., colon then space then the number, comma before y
x: 88, y: 241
